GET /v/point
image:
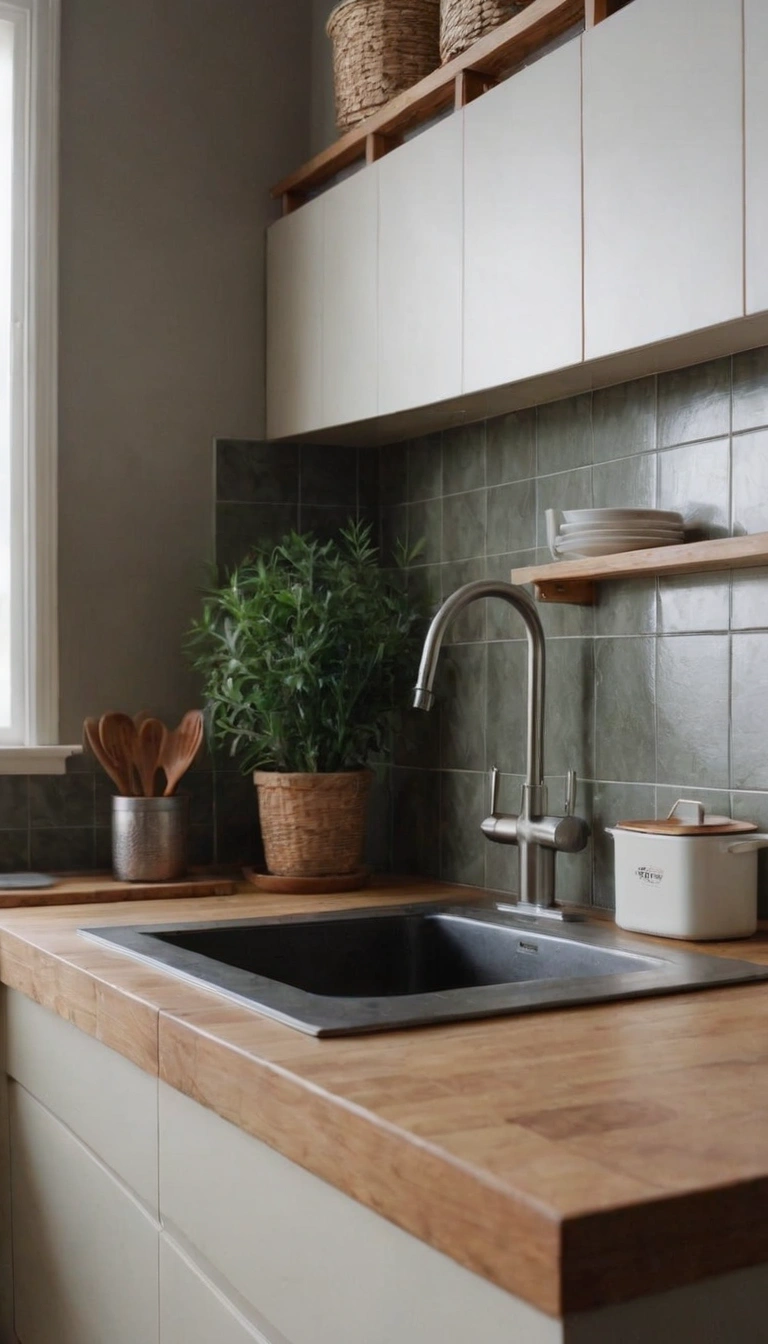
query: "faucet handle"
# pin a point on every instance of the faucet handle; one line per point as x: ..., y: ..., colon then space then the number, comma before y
x: 494, y: 776
x: 571, y: 787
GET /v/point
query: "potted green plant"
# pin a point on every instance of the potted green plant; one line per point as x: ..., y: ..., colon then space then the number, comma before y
x: 307, y: 653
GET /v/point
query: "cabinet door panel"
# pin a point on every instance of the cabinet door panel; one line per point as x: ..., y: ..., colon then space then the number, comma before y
x: 349, y: 299
x: 84, y: 1254
x: 420, y: 257
x: 522, y: 224
x: 106, y: 1100
x: 663, y: 190
x: 295, y: 322
x: 756, y: 106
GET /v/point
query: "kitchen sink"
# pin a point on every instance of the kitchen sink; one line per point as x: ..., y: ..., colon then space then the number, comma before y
x: 378, y: 968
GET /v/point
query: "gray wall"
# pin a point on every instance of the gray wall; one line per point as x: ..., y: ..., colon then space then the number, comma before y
x: 175, y: 119
x: 62, y: 823
x: 323, y: 131
x: 660, y: 690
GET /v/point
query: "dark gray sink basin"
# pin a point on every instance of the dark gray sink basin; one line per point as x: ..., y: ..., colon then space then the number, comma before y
x: 378, y: 968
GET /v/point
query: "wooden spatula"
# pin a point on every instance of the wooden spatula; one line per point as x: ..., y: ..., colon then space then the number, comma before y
x: 147, y: 753
x: 117, y: 734
x: 180, y: 749
x: 92, y: 741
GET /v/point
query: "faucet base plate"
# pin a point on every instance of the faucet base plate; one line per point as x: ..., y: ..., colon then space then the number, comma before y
x: 558, y: 913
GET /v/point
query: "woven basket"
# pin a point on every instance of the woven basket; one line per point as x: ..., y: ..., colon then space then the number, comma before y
x: 313, y: 825
x: 380, y: 48
x: 463, y: 22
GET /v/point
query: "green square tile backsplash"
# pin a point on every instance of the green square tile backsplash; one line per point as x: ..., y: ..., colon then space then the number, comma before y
x: 658, y: 691
x: 661, y: 689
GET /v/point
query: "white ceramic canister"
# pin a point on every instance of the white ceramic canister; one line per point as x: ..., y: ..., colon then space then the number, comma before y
x: 687, y: 885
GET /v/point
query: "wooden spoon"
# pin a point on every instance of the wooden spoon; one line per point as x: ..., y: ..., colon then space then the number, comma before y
x: 181, y: 748
x: 147, y: 752
x: 93, y: 743
x: 117, y: 733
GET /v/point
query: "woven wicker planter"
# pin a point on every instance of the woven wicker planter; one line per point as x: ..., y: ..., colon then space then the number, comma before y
x: 463, y: 22
x: 313, y: 825
x: 380, y: 48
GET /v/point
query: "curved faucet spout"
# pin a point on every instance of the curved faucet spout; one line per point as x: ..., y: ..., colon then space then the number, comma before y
x: 423, y: 697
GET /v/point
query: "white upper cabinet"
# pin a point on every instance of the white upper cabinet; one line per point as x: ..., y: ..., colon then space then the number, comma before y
x: 349, y: 299
x: 420, y: 263
x: 756, y: 105
x: 522, y: 224
x: 295, y: 322
x: 663, y: 187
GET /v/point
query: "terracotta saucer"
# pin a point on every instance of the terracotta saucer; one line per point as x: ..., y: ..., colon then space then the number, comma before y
x: 308, y: 886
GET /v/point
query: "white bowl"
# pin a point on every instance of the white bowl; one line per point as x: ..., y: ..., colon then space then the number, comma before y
x: 577, y: 550
x: 623, y: 516
x: 636, y: 528
x: 622, y: 534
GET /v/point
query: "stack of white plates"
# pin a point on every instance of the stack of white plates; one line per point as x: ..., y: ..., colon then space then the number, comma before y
x: 575, y: 534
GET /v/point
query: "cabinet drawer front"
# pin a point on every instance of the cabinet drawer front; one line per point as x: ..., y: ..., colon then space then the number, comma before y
x: 193, y: 1311
x: 105, y: 1100
x: 84, y: 1253
x: 314, y: 1264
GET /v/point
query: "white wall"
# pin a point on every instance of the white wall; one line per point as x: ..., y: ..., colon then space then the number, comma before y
x: 177, y: 115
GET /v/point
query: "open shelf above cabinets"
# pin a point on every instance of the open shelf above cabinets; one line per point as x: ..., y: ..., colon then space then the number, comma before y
x: 454, y: 84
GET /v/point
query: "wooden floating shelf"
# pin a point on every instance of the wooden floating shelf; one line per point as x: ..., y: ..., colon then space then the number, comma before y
x: 454, y: 84
x: 574, y: 580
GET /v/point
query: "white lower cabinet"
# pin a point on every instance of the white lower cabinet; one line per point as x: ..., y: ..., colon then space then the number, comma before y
x: 84, y: 1252
x: 252, y: 1249
x: 108, y: 1102
x: 316, y: 1266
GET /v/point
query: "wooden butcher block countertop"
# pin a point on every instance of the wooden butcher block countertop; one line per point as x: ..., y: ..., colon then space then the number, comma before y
x: 574, y: 1157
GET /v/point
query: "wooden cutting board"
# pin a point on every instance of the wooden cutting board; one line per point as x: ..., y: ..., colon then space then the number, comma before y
x: 100, y: 887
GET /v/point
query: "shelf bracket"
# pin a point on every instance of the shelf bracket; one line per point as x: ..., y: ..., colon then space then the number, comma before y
x: 377, y: 144
x: 292, y: 200
x: 577, y: 592
x: 470, y: 84
x: 595, y: 11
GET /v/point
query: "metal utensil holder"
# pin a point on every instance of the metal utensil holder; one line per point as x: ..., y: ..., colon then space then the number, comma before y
x: 149, y: 838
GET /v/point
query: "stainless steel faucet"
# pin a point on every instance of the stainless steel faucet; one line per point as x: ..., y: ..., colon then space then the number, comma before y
x: 537, y: 836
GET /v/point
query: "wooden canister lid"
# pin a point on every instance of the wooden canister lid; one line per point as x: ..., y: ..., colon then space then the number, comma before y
x: 673, y: 826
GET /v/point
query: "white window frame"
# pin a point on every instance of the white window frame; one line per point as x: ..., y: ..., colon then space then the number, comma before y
x: 34, y: 746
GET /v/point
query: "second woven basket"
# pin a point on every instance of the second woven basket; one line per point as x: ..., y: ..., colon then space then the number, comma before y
x: 380, y: 48
x: 463, y: 22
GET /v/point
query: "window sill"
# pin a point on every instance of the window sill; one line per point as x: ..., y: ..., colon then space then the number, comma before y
x: 36, y: 760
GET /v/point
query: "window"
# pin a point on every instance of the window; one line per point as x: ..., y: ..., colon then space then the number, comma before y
x: 28, y: 137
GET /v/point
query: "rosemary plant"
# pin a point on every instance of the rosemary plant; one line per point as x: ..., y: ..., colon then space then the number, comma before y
x: 307, y: 653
